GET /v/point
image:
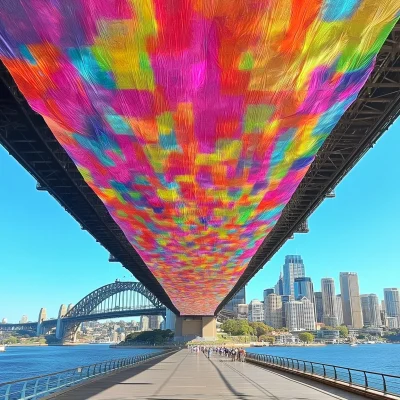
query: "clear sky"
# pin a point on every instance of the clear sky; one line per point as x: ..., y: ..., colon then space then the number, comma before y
x: 47, y: 260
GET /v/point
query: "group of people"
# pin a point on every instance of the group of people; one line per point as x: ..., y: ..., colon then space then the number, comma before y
x: 236, y: 354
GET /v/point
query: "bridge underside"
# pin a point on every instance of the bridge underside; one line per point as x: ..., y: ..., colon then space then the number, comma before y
x: 27, y: 138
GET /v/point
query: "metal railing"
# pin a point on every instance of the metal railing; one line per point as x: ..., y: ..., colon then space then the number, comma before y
x: 388, y: 384
x: 40, y: 386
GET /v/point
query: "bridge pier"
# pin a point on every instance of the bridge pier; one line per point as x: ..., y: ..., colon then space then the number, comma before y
x: 187, y: 328
x: 42, y: 317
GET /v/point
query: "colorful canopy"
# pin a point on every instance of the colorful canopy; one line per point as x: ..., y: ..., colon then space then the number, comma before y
x: 193, y: 120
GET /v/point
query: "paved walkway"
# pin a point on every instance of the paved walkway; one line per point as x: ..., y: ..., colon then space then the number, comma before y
x: 189, y: 376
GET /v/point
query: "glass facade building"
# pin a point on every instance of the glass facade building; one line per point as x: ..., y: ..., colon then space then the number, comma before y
x: 293, y: 268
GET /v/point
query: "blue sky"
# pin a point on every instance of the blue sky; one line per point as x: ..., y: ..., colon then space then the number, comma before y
x: 46, y: 259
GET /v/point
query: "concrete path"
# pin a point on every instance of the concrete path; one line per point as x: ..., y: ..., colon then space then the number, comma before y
x: 189, y: 376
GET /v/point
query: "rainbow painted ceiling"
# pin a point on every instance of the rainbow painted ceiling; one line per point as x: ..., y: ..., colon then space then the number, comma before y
x: 194, y: 121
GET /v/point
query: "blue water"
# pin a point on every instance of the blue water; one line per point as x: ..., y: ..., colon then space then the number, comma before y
x: 23, y: 362
x: 383, y: 358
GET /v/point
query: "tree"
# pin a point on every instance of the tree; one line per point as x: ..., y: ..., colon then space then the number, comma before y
x: 228, y: 326
x: 306, y: 337
x: 11, y: 340
x: 266, y: 338
x: 259, y: 328
x: 343, y: 331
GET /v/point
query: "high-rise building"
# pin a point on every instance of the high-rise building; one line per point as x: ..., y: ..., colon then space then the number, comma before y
x: 238, y: 298
x: 273, y: 310
x: 285, y: 299
x: 370, y: 310
x: 300, y: 315
x: 329, y: 302
x: 256, y: 311
x: 268, y: 291
x: 279, y: 285
x: 144, y: 323
x: 392, y: 303
x: 339, y: 309
x: 23, y: 320
x: 155, y: 321
x: 293, y: 268
x: 303, y: 287
x: 319, y: 308
x: 351, y: 303
x: 242, y: 311
x: 392, y: 323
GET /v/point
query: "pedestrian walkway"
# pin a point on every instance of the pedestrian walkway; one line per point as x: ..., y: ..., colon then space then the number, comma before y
x: 191, y: 376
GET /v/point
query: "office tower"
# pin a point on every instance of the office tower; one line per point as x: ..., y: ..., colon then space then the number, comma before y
x: 268, y: 291
x: 144, y: 323
x: 351, y: 303
x: 329, y: 302
x: 279, y: 285
x: 256, y: 311
x: 238, y: 298
x: 285, y: 299
x: 392, y: 322
x: 303, y: 287
x: 338, y: 308
x: 293, y: 268
x: 24, y: 319
x: 370, y: 310
x: 300, y: 315
x: 273, y: 310
x: 392, y: 303
x: 242, y: 311
x: 319, y: 308
x: 155, y: 321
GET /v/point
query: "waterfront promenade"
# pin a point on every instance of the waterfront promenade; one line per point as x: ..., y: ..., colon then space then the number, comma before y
x: 189, y: 376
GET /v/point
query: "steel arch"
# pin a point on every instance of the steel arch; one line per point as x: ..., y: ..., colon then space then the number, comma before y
x: 93, y: 299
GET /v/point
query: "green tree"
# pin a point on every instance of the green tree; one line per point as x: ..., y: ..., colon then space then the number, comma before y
x: 266, y: 338
x: 259, y: 328
x: 306, y: 337
x: 229, y: 326
x: 11, y: 340
x: 343, y: 331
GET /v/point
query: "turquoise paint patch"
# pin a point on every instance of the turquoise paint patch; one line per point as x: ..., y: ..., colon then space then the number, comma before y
x: 336, y: 10
x: 26, y: 53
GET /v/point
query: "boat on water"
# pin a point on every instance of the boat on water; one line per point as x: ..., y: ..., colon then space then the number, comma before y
x: 353, y: 344
x: 2, y: 347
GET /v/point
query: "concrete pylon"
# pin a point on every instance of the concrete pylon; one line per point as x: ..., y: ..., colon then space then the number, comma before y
x: 59, y: 327
x: 188, y: 328
x: 42, y: 317
x: 69, y: 307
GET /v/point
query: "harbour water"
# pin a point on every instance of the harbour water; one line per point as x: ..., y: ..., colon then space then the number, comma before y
x: 383, y: 358
x: 23, y: 362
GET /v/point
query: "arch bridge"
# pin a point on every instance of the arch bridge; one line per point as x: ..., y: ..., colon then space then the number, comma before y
x: 115, y: 300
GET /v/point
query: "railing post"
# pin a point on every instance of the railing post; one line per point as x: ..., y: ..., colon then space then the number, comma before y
x: 35, y: 388
x: 7, y: 392
x: 334, y: 368
x: 312, y: 367
x: 323, y: 365
x: 366, y: 379
x: 47, y: 384
x: 304, y: 366
x: 23, y: 393
x: 350, y: 378
x: 298, y: 365
x: 384, y: 383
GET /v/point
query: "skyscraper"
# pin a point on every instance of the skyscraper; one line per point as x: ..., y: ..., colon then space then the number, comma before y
x: 238, y: 298
x: 370, y: 310
x: 392, y: 303
x: 273, y: 310
x: 144, y: 323
x: 293, y: 268
x: 303, y: 287
x: 300, y: 315
x: 319, y: 308
x: 256, y: 311
x: 155, y: 321
x: 279, y: 285
x: 351, y: 303
x: 329, y: 302
x: 268, y: 291
x: 339, y: 309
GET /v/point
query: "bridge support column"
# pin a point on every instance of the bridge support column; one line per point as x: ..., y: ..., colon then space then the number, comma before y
x: 188, y: 328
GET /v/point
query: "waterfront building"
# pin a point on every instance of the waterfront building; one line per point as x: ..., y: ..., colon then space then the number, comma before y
x: 23, y: 320
x: 392, y: 322
x: 351, y: 303
x: 300, y: 315
x: 256, y: 311
x: 319, y: 308
x: 370, y: 310
x: 273, y: 310
x: 144, y: 323
x: 329, y: 302
x: 293, y: 268
x: 303, y: 287
x: 242, y: 311
x: 238, y: 298
x: 279, y: 285
x: 339, y: 309
x: 329, y: 336
x: 392, y: 303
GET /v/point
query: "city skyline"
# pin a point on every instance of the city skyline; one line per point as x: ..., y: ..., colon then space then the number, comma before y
x: 57, y: 253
